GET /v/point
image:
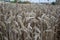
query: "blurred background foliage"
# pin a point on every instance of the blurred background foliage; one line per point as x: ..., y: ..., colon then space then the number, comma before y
x: 14, y: 1
x: 20, y: 1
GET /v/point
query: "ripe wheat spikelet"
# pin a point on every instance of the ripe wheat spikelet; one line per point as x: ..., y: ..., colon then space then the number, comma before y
x: 35, y: 22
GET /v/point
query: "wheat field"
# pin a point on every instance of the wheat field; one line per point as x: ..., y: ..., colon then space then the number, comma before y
x: 29, y: 21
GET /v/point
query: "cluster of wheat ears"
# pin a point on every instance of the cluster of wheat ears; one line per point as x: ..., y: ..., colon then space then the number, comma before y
x: 28, y: 21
